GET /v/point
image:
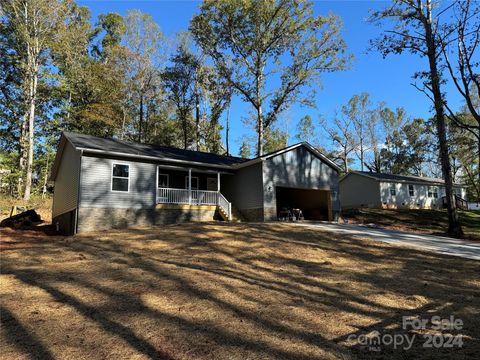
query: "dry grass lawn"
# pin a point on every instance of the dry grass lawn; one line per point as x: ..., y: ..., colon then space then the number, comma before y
x: 225, y: 291
x: 426, y: 221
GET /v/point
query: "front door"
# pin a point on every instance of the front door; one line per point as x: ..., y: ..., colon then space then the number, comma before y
x: 212, y: 184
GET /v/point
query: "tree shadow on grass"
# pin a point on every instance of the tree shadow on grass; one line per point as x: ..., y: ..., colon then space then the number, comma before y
x: 235, y: 273
x: 24, y: 340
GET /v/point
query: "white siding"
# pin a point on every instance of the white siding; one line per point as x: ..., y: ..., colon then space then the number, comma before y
x: 402, y: 197
x: 420, y: 198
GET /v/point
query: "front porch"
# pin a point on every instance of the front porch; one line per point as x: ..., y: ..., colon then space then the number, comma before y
x: 200, y: 188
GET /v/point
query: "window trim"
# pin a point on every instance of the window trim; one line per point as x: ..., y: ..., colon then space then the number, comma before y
x: 411, y: 190
x: 158, y: 177
x: 393, y: 190
x: 120, y: 177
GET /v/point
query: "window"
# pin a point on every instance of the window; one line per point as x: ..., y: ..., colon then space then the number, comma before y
x: 435, y: 193
x: 430, y: 192
x: 194, y: 182
x: 411, y: 190
x: 392, y: 190
x: 163, y: 180
x: 120, y: 177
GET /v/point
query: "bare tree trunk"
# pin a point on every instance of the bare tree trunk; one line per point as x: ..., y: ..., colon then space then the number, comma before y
x: 122, y: 133
x: 22, y: 148
x: 45, y: 178
x: 260, y: 131
x: 454, y: 227
x: 31, y: 131
x: 183, y: 117
x: 260, y: 127
x: 197, y: 121
x: 227, y: 132
x: 140, y: 123
x: 362, y: 155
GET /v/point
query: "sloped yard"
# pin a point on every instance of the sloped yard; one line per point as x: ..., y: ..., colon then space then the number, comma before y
x: 425, y: 221
x: 225, y: 291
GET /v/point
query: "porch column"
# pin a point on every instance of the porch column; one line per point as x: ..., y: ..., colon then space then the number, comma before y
x: 218, y: 181
x: 190, y: 186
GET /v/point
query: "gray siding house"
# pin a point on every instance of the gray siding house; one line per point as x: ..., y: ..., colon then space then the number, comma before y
x: 377, y: 190
x: 106, y: 183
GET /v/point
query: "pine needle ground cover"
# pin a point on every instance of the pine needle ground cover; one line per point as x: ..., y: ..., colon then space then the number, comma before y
x: 226, y: 291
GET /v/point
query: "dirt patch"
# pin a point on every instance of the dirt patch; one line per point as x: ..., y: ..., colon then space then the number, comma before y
x: 226, y: 291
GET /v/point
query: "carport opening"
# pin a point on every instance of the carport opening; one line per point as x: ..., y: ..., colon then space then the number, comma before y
x: 315, y: 204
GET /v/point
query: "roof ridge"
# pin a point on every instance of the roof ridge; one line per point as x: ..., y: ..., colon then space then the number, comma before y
x: 126, y: 142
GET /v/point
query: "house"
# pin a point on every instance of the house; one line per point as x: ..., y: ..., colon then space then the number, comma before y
x: 107, y: 183
x: 378, y: 190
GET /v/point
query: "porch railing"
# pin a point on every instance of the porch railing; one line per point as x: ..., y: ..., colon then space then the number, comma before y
x: 195, y: 197
x: 459, y: 202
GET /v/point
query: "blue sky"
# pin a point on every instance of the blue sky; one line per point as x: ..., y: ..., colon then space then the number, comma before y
x: 387, y: 80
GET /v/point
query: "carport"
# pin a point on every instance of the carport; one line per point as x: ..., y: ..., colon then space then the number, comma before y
x: 315, y: 204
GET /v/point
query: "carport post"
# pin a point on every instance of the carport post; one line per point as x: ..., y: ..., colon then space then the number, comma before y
x: 189, y: 186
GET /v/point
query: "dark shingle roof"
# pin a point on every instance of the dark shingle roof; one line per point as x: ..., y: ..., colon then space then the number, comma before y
x: 401, y: 178
x: 160, y: 152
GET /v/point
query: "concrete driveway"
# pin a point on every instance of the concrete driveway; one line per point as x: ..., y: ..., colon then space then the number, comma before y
x: 438, y: 244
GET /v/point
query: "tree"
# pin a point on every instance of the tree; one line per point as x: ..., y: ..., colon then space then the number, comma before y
x: 417, y: 31
x: 341, y: 134
x: 363, y: 119
x: 463, y: 148
x: 179, y: 79
x: 252, y: 42
x: 33, y: 24
x: 143, y: 58
x: 464, y: 69
x: 274, y: 139
x: 306, y: 129
x: 407, y: 149
x: 114, y: 27
x: 245, y: 150
x: 91, y: 83
x: 218, y: 94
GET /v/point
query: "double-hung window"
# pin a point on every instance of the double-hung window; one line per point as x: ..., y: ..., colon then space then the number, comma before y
x: 120, y: 177
x: 393, y: 192
x: 163, y: 180
x: 430, y: 192
x: 411, y: 190
x: 435, y: 193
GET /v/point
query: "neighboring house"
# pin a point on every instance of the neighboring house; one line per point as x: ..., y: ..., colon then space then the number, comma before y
x: 377, y: 190
x: 105, y: 183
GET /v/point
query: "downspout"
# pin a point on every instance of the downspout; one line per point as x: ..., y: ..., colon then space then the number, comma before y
x: 78, y: 193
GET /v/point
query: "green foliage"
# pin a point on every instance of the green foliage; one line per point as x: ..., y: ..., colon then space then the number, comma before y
x: 306, y: 129
x: 245, y: 150
x: 274, y: 140
x: 114, y: 27
x: 252, y: 42
x: 409, y: 148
